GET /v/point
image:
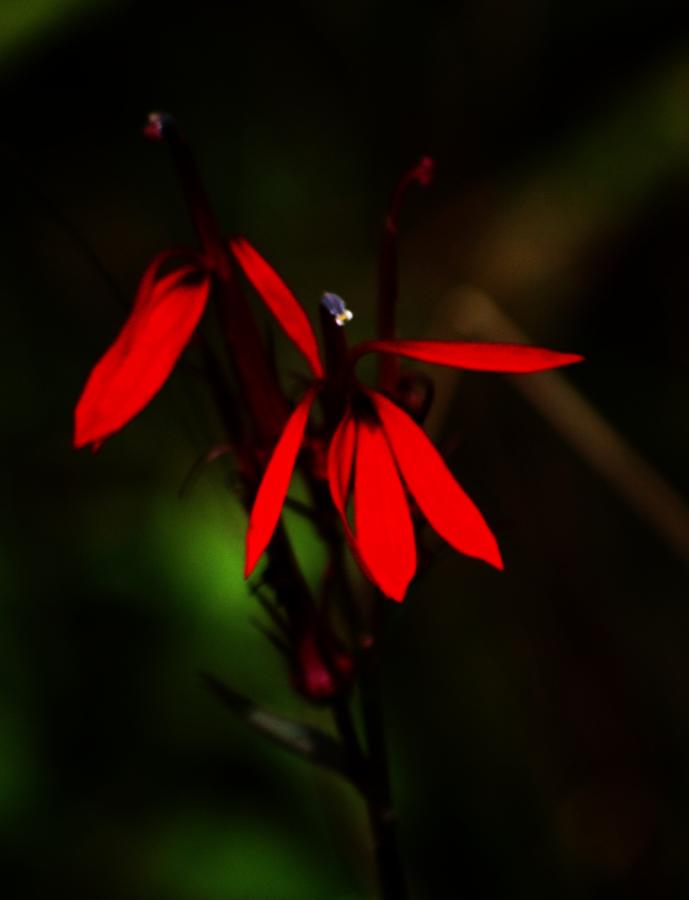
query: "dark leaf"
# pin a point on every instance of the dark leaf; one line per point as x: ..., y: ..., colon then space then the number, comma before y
x: 303, y: 740
x: 204, y: 460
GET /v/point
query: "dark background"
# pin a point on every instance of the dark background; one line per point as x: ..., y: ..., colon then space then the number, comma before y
x: 539, y: 719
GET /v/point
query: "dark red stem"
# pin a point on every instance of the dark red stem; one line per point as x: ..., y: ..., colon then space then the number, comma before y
x: 381, y: 811
x: 266, y: 406
x: 388, y: 365
x: 338, y: 369
x: 371, y: 776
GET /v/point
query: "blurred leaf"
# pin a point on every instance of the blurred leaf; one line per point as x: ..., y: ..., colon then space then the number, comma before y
x: 206, y: 858
x: 304, y: 740
x: 18, y: 775
x: 210, y: 456
x: 23, y: 22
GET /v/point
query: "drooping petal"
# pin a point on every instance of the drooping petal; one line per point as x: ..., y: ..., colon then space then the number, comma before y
x: 481, y: 357
x: 279, y: 300
x: 273, y: 488
x: 383, y: 527
x: 442, y: 501
x: 134, y: 368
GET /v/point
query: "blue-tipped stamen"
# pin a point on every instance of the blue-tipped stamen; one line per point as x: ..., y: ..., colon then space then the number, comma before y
x: 337, y: 308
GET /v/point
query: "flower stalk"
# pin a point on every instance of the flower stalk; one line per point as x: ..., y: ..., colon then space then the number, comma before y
x: 388, y: 276
x: 381, y: 810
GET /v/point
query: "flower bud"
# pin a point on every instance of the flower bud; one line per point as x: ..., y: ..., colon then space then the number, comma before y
x: 156, y: 124
x: 317, y: 678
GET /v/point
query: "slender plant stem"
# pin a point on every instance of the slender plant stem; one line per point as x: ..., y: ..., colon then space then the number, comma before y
x: 370, y: 774
x: 357, y: 764
x: 379, y: 799
x: 266, y: 407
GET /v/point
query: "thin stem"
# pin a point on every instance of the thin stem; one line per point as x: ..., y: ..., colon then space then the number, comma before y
x: 379, y: 800
x: 265, y: 404
x: 388, y: 365
x: 338, y: 369
x: 387, y: 301
x: 356, y: 759
x: 371, y: 774
x: 225, y: 401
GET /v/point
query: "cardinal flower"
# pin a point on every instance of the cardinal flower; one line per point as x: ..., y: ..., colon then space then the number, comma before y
x: 377, y: 455
x: 166, y: 310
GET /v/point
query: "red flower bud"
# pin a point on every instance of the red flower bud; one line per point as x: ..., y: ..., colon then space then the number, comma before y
x: 319, y: 676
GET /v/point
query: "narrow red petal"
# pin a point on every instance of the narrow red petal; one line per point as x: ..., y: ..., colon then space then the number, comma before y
x: 340, y: 462
x: 184, y: 256
x: 280, y: 301
x: 273, y: 488
x: 383, y: 525
x: 134, y: 368
x: 517, y: 358
x: 443, y: 502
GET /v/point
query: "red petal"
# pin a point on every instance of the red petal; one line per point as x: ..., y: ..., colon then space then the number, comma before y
x: 165, y: 313
x: 442, y: 501
x: 384, y: 530
x: 279, y: 300
x: 340, y: 460
x: 480, y: 357
x: 340, y: 463
x: 273, y: 488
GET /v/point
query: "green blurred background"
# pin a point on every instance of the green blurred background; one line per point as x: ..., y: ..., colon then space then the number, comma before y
x: 539, y: 719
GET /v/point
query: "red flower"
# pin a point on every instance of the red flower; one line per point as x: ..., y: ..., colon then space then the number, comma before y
x: 166, y: 310
x: 379, y: 443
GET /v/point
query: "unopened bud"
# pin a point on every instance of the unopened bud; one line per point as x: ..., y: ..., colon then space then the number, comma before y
x: 423, y: 173
x: 156, y: 125
x: 316, y: 679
